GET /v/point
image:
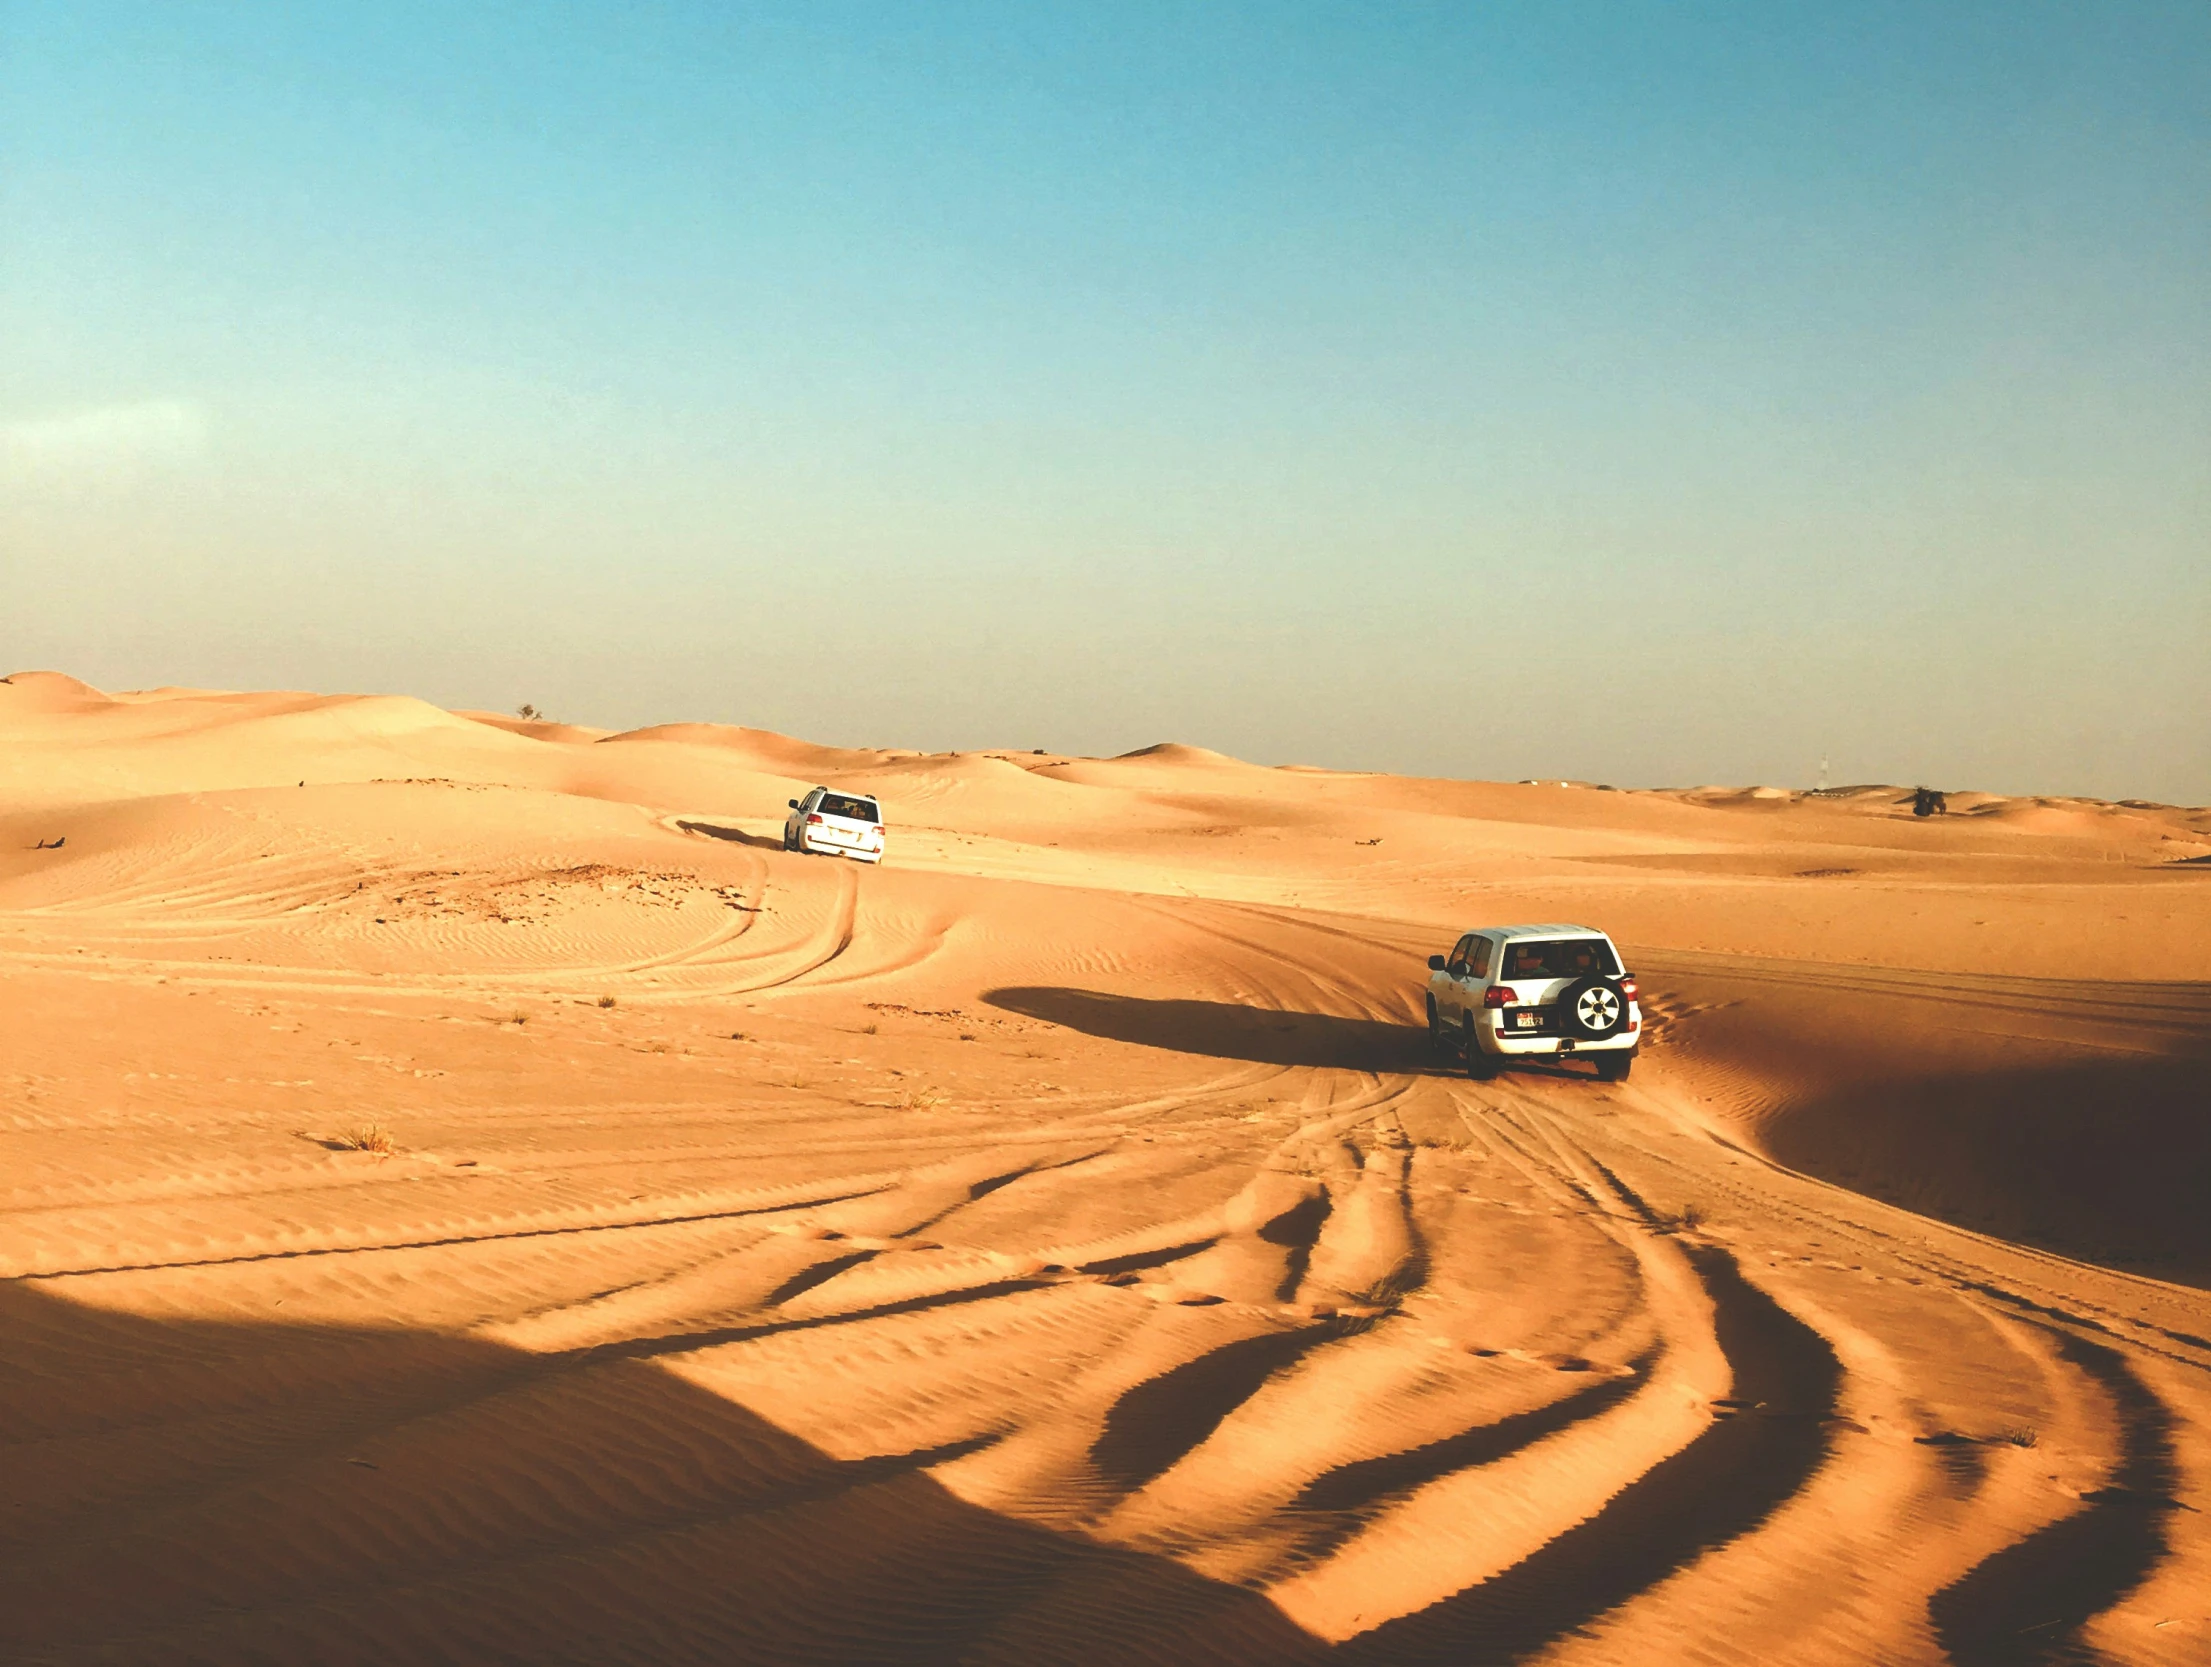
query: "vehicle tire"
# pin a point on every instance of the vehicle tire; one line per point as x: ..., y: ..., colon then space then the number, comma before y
x: 1437, y: 1040
x: 1614, y: 1067
x: 1591, y: 1009
x: 1479, y: 1065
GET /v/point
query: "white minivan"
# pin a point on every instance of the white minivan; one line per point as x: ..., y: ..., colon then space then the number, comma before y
x: 1508, y: 991
x: 835, y: 824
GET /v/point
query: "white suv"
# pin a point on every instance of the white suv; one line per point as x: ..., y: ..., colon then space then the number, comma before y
x: 1505, y: 991
x: 840, y: 824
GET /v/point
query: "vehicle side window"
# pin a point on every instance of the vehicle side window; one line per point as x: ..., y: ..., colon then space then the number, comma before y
x: 1457, y: 967
x: 1478, y: 959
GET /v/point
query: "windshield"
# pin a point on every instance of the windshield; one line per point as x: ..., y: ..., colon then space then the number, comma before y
x: 1561, y: 958
x: 860, y: 810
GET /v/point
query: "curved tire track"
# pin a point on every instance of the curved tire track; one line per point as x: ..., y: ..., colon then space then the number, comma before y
x: 1721, y: 1486
x: 2028, y: 1603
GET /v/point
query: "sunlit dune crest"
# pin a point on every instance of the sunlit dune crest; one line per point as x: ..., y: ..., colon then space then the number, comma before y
x: 473, y: 1194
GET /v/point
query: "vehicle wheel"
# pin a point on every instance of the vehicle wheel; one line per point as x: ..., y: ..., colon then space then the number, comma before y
x: 1437, y: 1040
x: 1614, y: 1067
x: 1591, y: 1009
x: 1479, y: 1065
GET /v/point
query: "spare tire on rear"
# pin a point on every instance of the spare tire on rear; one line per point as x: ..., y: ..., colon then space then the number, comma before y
x: 1590, y: 1009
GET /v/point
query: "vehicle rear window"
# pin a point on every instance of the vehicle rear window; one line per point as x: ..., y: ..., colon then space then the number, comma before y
x: 860, y: 810
x: 1561, y: 958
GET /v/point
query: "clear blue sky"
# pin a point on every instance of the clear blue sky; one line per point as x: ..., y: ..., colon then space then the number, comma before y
x: 1654, y: 393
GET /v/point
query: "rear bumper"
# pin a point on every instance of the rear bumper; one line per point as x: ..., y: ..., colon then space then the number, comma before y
x: 1508, y: 1046
x: 1514, y: 1047
x: 829, y: 848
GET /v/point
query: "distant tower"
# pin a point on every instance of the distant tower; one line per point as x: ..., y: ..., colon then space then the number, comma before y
x: 1822, y: 787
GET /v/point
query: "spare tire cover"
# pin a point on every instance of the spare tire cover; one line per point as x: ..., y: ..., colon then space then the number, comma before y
x: 1591, y: 1008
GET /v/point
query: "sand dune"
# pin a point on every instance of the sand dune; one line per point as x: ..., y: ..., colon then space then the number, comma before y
x: 471, y: 1196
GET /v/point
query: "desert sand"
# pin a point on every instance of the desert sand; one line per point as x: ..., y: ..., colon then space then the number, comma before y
x: 470, y: 1196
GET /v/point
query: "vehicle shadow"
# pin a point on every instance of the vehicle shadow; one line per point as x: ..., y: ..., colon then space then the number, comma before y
x: 1229, y: 1030
x: 736, y: 836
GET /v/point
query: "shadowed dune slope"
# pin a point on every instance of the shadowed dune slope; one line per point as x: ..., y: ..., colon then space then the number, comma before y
x: 344, y: 1495
x: 2071, y: 1114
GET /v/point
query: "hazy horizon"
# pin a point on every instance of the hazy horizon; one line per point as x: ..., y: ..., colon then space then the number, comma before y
x: 1615, y: 393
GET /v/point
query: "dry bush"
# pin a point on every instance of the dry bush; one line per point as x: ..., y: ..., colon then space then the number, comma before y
x: 367, y: 1138
x: 1445, y: 1138
x: 2023, y: 1436
x: 870, y: 1028
x: 920, y: 1099
x: 606, y: 1001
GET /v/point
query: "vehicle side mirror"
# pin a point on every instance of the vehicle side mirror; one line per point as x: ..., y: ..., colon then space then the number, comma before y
x: 1435, y: 963
x: 793, y: 803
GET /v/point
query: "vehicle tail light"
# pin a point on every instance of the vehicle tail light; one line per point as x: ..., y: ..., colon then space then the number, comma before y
x: 1627, y: 988
x: 813, y: 821
x: 877, y: 832
x: 1500, y: 995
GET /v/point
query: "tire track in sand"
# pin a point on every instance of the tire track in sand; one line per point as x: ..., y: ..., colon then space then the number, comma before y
x: 1721, y: 1486
x: 2029, y: 1603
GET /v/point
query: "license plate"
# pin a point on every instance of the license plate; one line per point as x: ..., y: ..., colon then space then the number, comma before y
x: 1526, y: 1021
